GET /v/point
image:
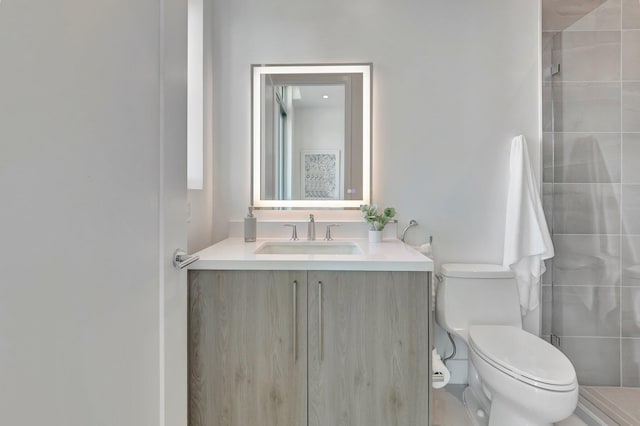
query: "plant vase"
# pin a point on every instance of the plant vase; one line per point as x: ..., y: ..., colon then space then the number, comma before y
x: 375, y: 236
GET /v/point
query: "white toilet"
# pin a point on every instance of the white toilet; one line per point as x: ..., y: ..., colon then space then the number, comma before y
x: 515, y: 378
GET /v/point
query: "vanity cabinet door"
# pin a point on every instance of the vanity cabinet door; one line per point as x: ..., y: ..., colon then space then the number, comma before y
x: 247, y: 348
x: 368, y: 349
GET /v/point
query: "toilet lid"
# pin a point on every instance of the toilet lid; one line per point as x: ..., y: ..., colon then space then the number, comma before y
x: 523, y: 356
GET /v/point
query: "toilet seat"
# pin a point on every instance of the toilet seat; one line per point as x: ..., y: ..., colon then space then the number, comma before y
x: 523, y: 356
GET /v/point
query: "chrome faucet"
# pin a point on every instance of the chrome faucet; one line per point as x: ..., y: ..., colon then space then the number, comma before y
x: 327, y: 235
x: 294, y: 232
x: 311, y: 230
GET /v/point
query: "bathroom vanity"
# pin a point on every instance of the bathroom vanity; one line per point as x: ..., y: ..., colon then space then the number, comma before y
x: 301, y: 338
x: 317, y: 333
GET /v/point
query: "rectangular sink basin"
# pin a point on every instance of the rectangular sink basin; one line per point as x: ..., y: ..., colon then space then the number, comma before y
x: 309, y: 247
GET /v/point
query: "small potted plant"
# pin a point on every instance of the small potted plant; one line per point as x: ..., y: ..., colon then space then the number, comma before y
x: 376, y: 220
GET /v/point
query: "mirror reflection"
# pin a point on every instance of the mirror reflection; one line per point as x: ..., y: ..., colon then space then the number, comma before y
x: 311, y: 136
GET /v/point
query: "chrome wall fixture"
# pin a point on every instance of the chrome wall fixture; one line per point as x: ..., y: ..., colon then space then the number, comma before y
x: 181, y: 259
x: 411, y: 224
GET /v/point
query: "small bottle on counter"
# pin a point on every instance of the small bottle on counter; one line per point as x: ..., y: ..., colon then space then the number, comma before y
x: 250, y: 227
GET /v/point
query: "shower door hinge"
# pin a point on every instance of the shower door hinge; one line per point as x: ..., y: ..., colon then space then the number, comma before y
x: 554, y: 340
x: 555, y: 69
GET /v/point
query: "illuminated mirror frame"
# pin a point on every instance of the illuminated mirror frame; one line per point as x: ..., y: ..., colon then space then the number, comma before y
x: 257, y: 72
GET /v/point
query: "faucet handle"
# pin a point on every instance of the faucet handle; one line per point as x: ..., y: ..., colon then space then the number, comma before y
x: 327, y: 235
x: 294, y: 231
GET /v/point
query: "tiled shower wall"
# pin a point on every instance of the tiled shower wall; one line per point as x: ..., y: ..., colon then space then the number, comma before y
x: 591, y: 155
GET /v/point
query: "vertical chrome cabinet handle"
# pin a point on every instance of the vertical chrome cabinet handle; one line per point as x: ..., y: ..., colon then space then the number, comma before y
x: 320, y: 325
x: 295, y: 320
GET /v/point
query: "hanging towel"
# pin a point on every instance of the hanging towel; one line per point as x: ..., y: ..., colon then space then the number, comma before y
x: 527, y: 242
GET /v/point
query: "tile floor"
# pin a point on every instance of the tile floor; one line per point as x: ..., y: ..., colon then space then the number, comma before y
x: 448, y: 409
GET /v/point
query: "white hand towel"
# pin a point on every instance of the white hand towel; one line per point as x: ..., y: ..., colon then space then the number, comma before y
x: 527, y: 242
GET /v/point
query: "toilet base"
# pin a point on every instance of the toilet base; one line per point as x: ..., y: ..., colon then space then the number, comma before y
x: 478, y: 414
x: 504, y: 413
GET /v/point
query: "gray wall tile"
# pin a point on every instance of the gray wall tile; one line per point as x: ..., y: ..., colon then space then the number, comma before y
x: 604, y: 17
x: 631, y: 55
x: 586, y: 311
x: 596, y: 360
x: 630, y: 311
x: 630, y: 107
x: 546, y: 307
x: 630, y: 14
x: 586, y: 107
x: 547, y: 157
x: 630, y: 362
x: 631, y: 260
x: 547, y: 52
x: 631, y: 158
x: 547, y: 277
x: 630, y: 209
x: 586, y: 260
x: 586, y: 208
x: 580, y: 15
x: 587, y: 157
x: 547, y: 203
x: 547, y: 107
x: 587, y: 56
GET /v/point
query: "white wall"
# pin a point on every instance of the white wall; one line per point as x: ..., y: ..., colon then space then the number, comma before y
x: 316, y: 128
x: 200, y: 207
x: 453, y: 82
x: 84, y: 200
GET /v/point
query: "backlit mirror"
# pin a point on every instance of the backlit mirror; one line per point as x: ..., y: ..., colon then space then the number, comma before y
x: 311, y: 135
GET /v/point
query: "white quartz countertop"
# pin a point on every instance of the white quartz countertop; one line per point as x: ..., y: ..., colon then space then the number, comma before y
x: 235, y: 254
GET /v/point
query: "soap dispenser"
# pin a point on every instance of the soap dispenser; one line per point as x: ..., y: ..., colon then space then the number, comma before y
x: 250, y: 227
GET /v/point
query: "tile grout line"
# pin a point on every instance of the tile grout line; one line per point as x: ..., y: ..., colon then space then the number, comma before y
x: 569, y: 336
x: 601, y: 82
x: 595, y: 132
x: 553, y: 328
x: 592, y: 31
x: 596, y: 183
x: 607, y: 286
x: 568, y: 234
x: 621, y: 205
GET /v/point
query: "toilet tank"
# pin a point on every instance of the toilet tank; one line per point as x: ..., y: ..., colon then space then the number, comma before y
x: 476, y: 294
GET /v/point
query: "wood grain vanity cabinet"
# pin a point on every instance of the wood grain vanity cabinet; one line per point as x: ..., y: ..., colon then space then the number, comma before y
x: 316, y: 348
x: 247, y: 348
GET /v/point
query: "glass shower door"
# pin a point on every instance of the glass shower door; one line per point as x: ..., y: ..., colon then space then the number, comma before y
x: 591, y: 120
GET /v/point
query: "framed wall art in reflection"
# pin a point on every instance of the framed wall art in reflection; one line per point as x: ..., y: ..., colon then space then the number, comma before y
x: 321, y: 174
